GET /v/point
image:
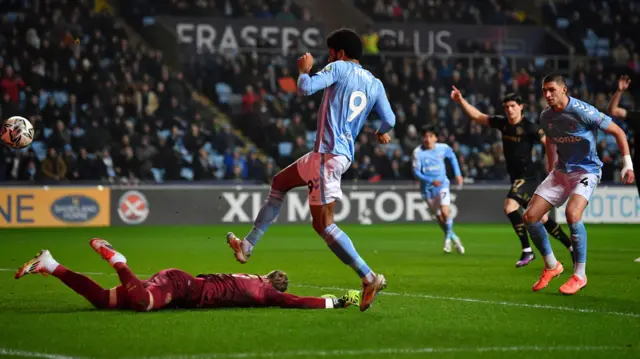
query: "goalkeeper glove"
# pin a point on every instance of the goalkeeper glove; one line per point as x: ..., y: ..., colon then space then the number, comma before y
x: 352, y: 297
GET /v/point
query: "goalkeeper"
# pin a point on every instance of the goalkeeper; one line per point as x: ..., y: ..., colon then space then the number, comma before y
x: 174, y: 288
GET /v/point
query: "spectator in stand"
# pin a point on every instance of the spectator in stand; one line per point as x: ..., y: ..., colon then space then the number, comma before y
x: 53, y: 167
x: 99, y: 98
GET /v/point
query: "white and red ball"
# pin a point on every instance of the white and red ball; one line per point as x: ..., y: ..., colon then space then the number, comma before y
x: 16, y: 132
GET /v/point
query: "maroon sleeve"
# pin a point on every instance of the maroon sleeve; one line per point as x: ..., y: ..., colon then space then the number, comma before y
x: 274, y: 298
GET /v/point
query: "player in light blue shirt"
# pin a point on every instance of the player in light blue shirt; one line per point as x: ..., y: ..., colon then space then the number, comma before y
x: 570, y: 126
x: 430, y: 169
x: 350, y: 94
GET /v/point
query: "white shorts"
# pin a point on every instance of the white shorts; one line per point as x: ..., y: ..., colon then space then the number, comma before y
x: 437, y: 198
x: 323, y: 173
x: 559, y: 186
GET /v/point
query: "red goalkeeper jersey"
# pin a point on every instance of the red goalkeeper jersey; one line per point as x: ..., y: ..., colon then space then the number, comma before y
x: 247, y: 290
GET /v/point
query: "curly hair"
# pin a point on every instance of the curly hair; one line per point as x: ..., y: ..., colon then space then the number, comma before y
x: 279, y: 280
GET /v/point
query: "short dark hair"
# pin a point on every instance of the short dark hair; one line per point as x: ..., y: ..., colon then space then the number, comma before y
x: 429, y: 128
x: 512, y: 97
x: 554, y: 77
x: 347, y: 40
x: 279, y: 280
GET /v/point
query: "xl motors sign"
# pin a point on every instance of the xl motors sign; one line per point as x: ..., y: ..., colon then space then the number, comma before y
x: 220, y: 35
x: 609, y: 205
x: 196, y: 205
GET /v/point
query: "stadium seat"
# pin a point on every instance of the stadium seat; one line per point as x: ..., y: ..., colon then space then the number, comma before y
x: 465, y: 150
x: 285, y: 149
x: 224, y: 92
x: 209, y: 148
x: 389, y: 148
x: 187, y: 157
x: 158, y: 175
x: 164, y: 134
x: 187, y: 173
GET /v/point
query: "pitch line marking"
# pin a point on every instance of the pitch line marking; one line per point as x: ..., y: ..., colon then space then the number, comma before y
x: 30, y: 354
x: 437, y: 297
x: 338, y: 352
x: 389, y: 351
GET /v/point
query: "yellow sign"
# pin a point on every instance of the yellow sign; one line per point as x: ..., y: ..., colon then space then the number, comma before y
x: 55, y: 207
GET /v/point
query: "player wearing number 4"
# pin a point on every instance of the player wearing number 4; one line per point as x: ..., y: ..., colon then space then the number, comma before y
x: 518, y: 138
x: 429, y: 168
x: 350, y: 93
x: 571, y: 126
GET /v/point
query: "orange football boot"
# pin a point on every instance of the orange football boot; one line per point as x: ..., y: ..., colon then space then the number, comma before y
x: 573, y: 285
x: 236, y: 244
x: 370, y: 291
x: 547, y: 276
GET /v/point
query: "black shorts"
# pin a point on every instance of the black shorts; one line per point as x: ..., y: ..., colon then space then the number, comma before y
x: 522, y: 191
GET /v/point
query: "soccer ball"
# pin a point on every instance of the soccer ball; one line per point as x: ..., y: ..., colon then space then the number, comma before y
x: 16, y: 132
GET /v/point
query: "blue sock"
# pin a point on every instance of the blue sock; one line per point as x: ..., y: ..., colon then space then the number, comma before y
x: 579, y: 240
x: 267, y: 215
x: 448, y: 228
x: 343, y: 248
x: 540, y: 238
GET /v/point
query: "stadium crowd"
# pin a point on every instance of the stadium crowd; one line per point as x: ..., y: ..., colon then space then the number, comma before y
x: 490, y: 12
x: 106, y: 110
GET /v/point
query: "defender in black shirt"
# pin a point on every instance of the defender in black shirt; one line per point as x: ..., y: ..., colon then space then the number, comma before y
x: 633, y: 116
x: 518, y: 137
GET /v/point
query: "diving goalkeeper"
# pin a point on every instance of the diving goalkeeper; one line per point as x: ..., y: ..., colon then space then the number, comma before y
x: 174, y: 288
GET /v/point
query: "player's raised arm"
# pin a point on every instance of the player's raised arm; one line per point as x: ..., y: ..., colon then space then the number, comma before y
x: 308, y: 85
x: 451, y: 156
x: 475, y: 114
x: 417, y: 167
x: 613, y: 109
x: 383, y: 108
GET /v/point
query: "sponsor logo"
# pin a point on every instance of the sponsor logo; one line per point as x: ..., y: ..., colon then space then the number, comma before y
x: 225, y: 35
x: 567, y: 139
x: 367, y: 207
x: 221, y: 35
x: 75, y: 208
x: 133, y: 207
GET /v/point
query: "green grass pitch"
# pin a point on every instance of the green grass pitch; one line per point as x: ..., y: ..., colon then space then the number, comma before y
x: 436, y: 306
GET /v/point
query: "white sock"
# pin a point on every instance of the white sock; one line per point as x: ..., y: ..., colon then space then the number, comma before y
x: 247, y: 247
x: 50, y: 265
x: 550, y: 261
x: 328, y: 303
x: 369, y: 278
x: 117, y: 258
x: 527, y: 250
x: 580, y: 270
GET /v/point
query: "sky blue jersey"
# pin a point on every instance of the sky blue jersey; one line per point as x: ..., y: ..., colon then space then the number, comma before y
x: 429, y: 166
x: 351, y: 92
x: 573, y: 130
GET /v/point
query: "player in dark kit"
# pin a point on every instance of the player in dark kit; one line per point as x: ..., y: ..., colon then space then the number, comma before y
x: 174, y: 288
x: 633, y: 116
x: 518, y: 138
